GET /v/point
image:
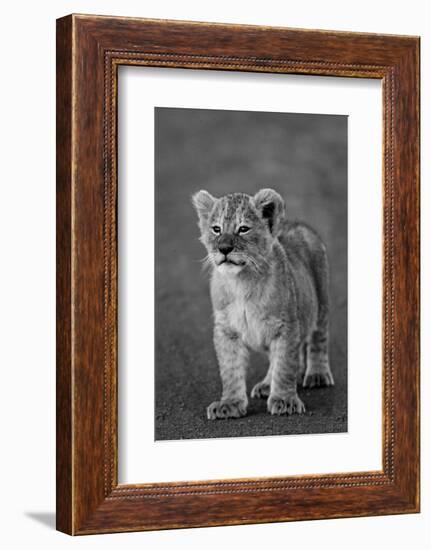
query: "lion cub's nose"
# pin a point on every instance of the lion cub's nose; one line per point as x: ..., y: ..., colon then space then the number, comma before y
x: 225, y: 244
x: 225, y: 249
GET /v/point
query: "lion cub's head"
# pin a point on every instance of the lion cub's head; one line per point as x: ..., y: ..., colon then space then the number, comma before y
x: 238, y: 230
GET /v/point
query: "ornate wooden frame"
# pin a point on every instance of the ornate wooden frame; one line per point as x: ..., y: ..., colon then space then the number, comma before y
x: 89, y: 51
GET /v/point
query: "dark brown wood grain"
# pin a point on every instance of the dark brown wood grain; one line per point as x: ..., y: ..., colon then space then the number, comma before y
x: 64, y: 287
x: 89, y: 51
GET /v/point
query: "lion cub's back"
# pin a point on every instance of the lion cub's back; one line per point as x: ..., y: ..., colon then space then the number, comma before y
x: 306, y: 253
x: 302, y: 242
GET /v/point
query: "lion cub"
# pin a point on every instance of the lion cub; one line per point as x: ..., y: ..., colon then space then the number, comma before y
x: 269, y: 291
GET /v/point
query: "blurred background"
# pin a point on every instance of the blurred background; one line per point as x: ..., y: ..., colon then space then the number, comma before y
x: 304, y: 158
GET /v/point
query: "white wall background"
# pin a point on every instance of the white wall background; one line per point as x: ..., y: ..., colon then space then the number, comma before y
x: 27, y: 252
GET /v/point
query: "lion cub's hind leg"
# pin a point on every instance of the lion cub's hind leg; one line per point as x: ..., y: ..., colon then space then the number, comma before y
x: 318, y: 372
x: 261, y: 389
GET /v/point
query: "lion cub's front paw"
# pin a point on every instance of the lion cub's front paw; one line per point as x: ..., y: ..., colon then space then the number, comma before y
x: 226, y: 409
x: 260, y: 390
x: 288, y: 405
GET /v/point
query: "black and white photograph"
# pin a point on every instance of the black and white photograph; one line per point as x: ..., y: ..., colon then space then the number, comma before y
x: 215, y: 266
x: 250, y: 273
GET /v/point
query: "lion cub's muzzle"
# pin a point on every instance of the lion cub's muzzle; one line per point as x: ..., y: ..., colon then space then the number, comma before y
x: 225, y: 243
x: 226, y: 251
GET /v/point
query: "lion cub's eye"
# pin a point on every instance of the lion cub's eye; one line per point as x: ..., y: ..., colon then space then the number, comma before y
x: 243, y: 229
x: 216, y: 229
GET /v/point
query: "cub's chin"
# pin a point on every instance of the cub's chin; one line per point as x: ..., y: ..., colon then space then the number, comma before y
x: 229, y: 269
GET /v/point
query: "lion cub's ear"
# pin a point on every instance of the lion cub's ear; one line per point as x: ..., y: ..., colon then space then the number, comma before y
x: 203, y: 202
x: 271, y: 207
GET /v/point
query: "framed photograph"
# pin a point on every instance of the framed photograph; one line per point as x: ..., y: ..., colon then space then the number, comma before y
x: 237, y: 274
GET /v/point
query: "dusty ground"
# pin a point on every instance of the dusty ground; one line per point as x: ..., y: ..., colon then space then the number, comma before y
x: 304, y: 157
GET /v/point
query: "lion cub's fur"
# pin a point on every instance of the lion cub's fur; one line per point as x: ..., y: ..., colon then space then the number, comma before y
x: 269, y: 291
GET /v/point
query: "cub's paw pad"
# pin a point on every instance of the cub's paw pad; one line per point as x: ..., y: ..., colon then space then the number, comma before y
x: 288, y: 405
x: 260, y: 390
x: 226, y: 409
x: 318, y: 379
